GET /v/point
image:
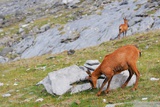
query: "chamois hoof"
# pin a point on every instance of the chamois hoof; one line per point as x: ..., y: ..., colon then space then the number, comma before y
x: 99, y: 93
x: 123, y: 86
x: 106, y: 92
x: 134, y: 89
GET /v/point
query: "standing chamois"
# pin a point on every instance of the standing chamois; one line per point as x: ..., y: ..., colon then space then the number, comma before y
x: 123, y: 28
x: 124, y: 58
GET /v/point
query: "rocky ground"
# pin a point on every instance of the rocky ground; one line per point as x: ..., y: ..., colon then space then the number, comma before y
x: 31, y: 28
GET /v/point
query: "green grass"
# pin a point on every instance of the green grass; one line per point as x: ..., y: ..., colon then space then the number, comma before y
x: 151, y: 12
x: 25, y: 74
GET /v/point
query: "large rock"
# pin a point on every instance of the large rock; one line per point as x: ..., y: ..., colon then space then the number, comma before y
x: 59, y: 82
x: 145, y: 25
x: 68, y: 79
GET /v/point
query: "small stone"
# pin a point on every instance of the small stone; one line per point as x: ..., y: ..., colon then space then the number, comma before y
x: 104, y: 100
x: 77, y: 102
x: 39, y: 100
x: 147, y: 47
x: 26, y: 100
x: 25, y: 25
x: 15, y: 84
x: 21, y: 30
x: 144, y: 99
x: 70, y: 52
x: 27, y: 69
x: 6, y: 95
x: 154, y: 79
x: 1, y: 84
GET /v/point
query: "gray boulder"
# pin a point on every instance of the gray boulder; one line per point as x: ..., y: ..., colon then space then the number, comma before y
x: 5, y: 51
x: 91, y: 64
x: 156, y: 24
x: 68, y: 79
x: 59, y: 82
x: 125, y: 2
x: 44, y: 28
x: 157, y: 13
x: 21, y: 30
x: 3, y: 59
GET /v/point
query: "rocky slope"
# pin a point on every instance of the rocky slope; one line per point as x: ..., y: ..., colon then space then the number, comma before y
x: 92, y: 23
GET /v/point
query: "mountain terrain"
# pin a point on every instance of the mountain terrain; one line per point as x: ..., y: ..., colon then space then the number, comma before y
x: 41, y: 36
x: 30, y: 28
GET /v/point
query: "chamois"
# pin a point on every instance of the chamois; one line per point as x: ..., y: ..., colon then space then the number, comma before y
x: 123, y: 28
x: 121, y: 59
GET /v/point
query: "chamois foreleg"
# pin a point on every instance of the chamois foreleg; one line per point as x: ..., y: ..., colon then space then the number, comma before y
x: 103, y: 84
x: 128, y: 79
x: 119, y: 35
x: 109, y: 74
x: 109, y: 81
x: 125, y: 33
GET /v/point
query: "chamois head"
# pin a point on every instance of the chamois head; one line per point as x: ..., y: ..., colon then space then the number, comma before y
x: 89, y: 78
x: 125, y: 20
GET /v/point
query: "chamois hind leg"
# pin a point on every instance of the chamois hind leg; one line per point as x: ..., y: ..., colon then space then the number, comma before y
x: 125, y: 33
x: 119, y: 33
x: 128, y: 79
x: 135, y: 70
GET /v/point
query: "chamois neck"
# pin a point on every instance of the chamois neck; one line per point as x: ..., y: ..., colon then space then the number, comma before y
x: 125, y: 22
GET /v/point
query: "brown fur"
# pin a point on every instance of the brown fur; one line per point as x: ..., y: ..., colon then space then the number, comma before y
x: 124, y: 58
x: 123, y: 28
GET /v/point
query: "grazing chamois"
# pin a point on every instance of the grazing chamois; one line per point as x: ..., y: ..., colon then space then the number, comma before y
x: 123, y: 28
x: 124, y: 58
